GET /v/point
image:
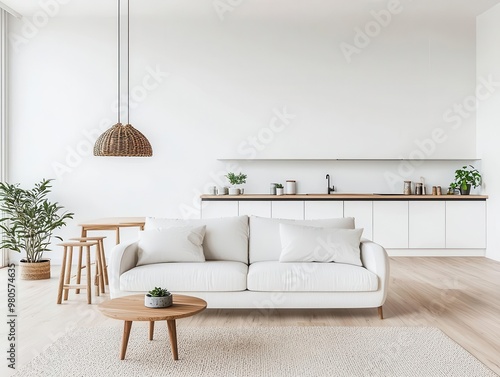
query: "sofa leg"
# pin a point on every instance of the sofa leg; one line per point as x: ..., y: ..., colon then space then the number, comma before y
x: 380, y: 312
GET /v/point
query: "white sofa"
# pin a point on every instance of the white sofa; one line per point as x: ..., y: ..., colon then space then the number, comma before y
x: 242, y: 268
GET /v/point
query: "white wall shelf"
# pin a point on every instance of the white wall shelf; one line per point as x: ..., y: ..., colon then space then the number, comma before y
x: 347, y: 159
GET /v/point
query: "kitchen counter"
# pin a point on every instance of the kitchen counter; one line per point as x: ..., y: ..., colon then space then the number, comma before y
x: 341, y: 196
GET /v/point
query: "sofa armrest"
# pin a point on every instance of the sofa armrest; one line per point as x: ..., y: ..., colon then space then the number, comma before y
x: 123, y: 258
x: 375, y: 259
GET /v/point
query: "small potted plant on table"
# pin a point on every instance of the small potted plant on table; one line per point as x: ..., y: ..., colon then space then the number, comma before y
x: 465, y: 178
x: 28, y: 223
x: 236, y: 179
x: 158, y: 298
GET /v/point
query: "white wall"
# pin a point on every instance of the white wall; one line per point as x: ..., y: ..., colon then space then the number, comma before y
x: 488, y: 121
x: 215, y: 89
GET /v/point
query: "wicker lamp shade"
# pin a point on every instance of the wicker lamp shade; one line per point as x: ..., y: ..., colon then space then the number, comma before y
x: 123, y: 140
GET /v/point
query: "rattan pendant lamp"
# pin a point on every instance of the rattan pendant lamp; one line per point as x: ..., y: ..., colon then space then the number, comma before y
x: 123, y: 140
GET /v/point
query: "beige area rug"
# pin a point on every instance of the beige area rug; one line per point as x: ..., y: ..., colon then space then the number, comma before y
x: 263, y: 351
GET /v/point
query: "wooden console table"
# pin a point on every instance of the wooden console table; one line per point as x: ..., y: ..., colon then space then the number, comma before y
x: 113, y: 223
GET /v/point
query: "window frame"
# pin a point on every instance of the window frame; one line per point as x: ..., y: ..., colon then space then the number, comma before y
x: 4, y: 152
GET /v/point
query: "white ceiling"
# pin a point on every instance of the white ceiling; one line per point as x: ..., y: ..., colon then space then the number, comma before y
x: 276, y: 8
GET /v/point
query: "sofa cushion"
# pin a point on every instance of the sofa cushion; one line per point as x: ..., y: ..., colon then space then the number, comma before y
x: 178, y: 244
x: 274, y: 276
x: 265, y: 242
x: 314, y: 244
x: 185, y: 277
x: 226, y: 238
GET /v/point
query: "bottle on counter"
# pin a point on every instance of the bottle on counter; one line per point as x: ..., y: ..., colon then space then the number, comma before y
x: 418, y: 188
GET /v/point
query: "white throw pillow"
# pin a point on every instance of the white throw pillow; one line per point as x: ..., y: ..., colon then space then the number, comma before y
x: 265, y: 242
x: 313, y: 244
x: 226, y: 238
x: 176, y: 244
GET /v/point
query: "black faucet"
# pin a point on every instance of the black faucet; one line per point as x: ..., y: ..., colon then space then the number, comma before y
x: 330, y: 189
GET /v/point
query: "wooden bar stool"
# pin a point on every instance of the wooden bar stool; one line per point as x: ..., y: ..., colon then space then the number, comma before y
x: 101, y: 266
x: 64, y: 279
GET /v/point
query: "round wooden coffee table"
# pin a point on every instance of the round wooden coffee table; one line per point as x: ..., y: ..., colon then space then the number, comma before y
x: 131, y: 308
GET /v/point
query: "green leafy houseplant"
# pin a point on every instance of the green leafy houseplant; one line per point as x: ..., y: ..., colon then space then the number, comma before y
x: 279, y: 189
x: 158, y: 292
x: 236, y: 179
x: 466, y: 177
x: 29, y: 219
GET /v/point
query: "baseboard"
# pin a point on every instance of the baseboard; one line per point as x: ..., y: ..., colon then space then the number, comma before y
x: 436, y: 252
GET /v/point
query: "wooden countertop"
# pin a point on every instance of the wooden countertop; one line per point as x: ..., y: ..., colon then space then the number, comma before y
x: 343, y: 197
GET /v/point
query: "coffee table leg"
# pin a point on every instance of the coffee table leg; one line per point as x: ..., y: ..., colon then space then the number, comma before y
x: 151, y: 329
x: 126, y: 333
x: 172, y: 332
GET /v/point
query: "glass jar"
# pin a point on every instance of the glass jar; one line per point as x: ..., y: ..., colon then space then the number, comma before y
x: 407, y: 188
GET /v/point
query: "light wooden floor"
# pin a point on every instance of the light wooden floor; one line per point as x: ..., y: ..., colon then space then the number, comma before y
x: 461, y: 296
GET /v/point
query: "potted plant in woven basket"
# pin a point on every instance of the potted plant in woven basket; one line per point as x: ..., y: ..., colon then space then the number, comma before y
x: 28, y: 222
x: 158, y: 298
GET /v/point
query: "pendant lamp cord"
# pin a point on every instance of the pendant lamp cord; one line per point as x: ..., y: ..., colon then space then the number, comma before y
x: 128, y: 61
x: 119, y: 66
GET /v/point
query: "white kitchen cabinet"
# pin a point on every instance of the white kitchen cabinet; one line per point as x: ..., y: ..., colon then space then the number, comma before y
x: 255, y: 208
x: 427, y: 224
x: 390, y: 224
x: 424, y: 226
x: 219, y: 208
x: 466, y: 224
x: 287, y: 209
x: 322, y: 209
x: 362, y: 211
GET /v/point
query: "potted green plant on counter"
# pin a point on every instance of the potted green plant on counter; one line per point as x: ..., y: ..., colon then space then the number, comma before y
x: 236, y: 179
x: 158, y: 298
x: 279, y: 189
x: 465, y: 178
x: 28, y: 222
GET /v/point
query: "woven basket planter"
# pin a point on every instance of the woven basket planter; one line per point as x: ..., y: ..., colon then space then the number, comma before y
x: 123, y: 140
x: 35, y: 271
